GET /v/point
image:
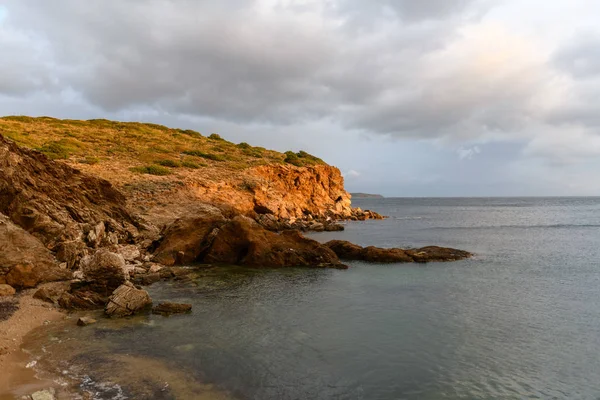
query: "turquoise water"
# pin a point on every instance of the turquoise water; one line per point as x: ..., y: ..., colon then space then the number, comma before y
x: 520, y: 320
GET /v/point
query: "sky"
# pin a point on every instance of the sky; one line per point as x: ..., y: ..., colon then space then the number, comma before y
x: 406, y: 97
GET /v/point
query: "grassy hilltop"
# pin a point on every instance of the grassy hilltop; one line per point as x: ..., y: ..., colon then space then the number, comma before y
x: 142, y: 148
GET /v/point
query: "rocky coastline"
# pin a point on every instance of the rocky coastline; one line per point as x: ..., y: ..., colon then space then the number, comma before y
x: 101, y: 245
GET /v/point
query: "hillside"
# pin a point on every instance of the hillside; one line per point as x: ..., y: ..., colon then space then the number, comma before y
x: 164, y: 171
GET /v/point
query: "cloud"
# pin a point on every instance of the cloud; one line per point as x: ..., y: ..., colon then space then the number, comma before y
x: 352, y: 174
x: 468, y: 153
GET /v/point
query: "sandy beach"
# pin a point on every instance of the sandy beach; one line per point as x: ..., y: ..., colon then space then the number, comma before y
x: 16, y: 379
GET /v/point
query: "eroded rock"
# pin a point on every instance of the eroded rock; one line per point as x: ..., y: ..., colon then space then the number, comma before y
x: 105, y: 270
x: 127, y: 300
x: 349, y: 251
x: 85, y: 321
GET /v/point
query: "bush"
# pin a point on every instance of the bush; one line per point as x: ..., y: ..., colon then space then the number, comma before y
x: 192, y: 165
x: 215, y: 136
x: 59, y: 150
x: 89, y: 160
x: 292, y: 158
x: 208, y: 156
x: 169, y: 163
x: 152, y: 170
x: 244, y: 145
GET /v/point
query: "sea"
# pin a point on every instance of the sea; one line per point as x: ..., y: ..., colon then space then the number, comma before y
x: 520, y: 320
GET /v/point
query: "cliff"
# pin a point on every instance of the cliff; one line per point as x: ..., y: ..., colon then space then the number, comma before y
x: 165, y: 171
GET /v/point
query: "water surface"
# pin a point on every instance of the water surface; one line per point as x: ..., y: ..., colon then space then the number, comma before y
x: 520, y: 320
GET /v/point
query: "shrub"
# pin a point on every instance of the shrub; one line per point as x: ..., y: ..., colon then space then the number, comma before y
x: 292, y: 158
x: 169, y: 163
x: 191, y: 133
x: 89, y: 160
x: 60, y: 149
x: 209, y: 156
x: 244, y: 145
x: 248, y: 185
x: 215, y: 136
x: 151, y: 170
x: 192, y: 165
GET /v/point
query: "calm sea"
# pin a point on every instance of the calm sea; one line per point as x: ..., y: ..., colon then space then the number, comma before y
x: 520, y: 320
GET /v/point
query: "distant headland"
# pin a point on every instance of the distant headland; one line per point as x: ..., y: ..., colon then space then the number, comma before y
x: 366, y: 196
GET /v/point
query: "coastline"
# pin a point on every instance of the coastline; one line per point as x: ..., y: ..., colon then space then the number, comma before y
x: 16, y: 379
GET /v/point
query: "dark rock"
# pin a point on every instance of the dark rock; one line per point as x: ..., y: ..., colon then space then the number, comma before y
x: 185, y: 239
x: 349, y: 251
x: 127, y: 300
x: 149, y: 279
x: 81, y: 300
x: 168, y: 308
x: 242, y: 241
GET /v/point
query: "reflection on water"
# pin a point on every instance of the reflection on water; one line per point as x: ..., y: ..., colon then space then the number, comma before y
x: 521, y: 320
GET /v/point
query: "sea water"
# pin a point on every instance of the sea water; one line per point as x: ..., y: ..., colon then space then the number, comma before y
x: 519, y: 320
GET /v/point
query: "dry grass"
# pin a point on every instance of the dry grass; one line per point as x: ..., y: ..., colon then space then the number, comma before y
x: 138, y: 145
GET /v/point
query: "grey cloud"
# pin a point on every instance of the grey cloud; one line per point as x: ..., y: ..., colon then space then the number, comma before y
x: 581, y: 56
x: 405, y: 10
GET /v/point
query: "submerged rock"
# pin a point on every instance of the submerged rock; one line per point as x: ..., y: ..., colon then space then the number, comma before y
x: 168, y: 308
x: 349, y: 251
x: 85, y: 321
x: 127, y: 300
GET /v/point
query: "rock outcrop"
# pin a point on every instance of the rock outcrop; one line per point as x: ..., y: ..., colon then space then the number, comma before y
x: 240, y: 241
x: 127, y: 300
x: 24, y: 260
x: 349, y: 251
x: 65, y: 209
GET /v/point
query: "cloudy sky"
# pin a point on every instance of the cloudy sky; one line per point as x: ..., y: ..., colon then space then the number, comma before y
x: 406, y: 97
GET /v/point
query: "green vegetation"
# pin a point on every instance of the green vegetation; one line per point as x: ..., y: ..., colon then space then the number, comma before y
x: 102, y: 141
x: 169, y: 163
x: 152, y: 170
x: 301, y: 159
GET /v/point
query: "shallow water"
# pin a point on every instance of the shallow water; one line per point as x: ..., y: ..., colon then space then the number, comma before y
x: 520, y: 320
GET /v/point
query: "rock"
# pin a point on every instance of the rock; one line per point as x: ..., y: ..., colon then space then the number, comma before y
x: 104, y: 270
x: 154, y: 268
x: 148, y: 279
x: 96, y: 234
x: 129, y: 252
x: 52, y: 293
x: 333, y: 227
x: 435, y: 253
x: 168, y: 308
x: 185, y: 239
x: 48, y: 394
x: 24, y: 260
x: 242, y: 241
x: 6, y: 290
x: 53, y: 201
x: 85, y: 321
x: 349, y: 251
x: 127, y: 300
x: 81, y: 299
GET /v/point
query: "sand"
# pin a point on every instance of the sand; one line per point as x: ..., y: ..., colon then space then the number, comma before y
x: 15, y: 378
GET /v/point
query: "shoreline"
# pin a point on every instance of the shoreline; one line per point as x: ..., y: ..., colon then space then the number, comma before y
x: 16, y: 379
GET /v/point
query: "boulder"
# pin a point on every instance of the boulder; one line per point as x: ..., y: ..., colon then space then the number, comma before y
x: 6, y: 290
x: 185, y: 239
x: 349, y: 251
x: 48, y: 394
x: 105, y: 271
x: 242, y: 241
x: 24, y: 260
x: 127, y: 300
x: 82, y: 299
x: 52, y: 293
x: 168, y: 308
